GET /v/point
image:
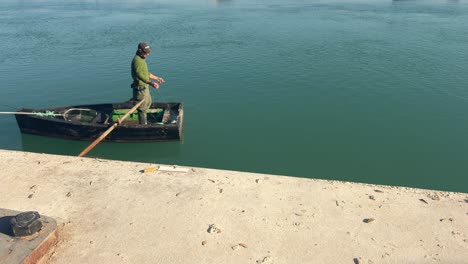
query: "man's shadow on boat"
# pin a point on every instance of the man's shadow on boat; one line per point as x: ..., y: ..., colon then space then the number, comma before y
x: 144, y: 152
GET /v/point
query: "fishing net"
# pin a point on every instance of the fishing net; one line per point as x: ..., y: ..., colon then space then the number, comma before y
x: 80, y: 115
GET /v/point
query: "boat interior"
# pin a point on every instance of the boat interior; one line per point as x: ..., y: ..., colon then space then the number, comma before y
x: 155, y: 116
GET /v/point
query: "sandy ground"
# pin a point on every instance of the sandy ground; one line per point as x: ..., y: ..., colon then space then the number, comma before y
x: 112, y: 213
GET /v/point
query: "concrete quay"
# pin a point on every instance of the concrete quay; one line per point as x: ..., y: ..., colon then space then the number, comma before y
x: 110, y: 212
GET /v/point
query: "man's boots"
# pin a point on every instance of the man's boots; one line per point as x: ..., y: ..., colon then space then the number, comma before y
x: 142, y: 118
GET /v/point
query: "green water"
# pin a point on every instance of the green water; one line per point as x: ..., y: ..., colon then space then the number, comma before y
x: 363, y: 91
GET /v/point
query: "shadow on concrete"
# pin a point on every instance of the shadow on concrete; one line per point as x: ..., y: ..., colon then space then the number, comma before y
x: 5, y: 227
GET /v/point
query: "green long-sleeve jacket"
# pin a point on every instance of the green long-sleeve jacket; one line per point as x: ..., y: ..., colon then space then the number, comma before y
x: 140, y: 73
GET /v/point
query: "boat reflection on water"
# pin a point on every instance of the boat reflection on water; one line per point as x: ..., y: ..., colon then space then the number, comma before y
x: 155, y: 152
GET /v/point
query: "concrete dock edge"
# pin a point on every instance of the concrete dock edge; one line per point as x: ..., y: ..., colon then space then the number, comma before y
x: 114, y: 213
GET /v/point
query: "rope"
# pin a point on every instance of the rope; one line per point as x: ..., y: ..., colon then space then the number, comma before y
x: 47, y: 113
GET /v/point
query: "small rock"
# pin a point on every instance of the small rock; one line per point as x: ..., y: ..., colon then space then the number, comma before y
x: 220, y: 190
x: 204, y: 242
x: 368, y: 220
x: 257, y: 180
x: 372, y: 197
x: 30, y: 196
x: 378, y: 191
x: 434, y: 197
x: 356, y: 261
x: 69, y: 194
x: 449, y: 219
x: 211, y: 180
x: 424, y: 201
x: 236, y: 247
x: 213, y: 229
x: 266, y: 259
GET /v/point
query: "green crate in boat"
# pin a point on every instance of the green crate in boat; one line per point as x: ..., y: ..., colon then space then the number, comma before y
x: 153, y: 115
x: 119, y: 113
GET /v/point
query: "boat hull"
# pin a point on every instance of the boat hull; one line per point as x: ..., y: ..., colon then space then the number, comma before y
x: 126, y: 132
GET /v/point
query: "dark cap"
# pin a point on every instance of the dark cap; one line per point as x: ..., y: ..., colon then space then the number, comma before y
x: 144, y: 47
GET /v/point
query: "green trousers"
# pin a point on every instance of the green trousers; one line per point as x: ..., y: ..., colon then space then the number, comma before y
x: 138, y: 95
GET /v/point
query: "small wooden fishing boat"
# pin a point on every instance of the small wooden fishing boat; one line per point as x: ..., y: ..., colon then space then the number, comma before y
x: 88, y: 122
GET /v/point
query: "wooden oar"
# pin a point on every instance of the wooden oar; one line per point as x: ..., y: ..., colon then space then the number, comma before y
x: 100, y: 138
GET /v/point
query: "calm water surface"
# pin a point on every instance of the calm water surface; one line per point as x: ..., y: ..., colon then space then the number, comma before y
x: 364, y: 91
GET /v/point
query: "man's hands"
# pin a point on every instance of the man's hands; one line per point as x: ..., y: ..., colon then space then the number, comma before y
x: 155, y: 85
x: 157, y: 79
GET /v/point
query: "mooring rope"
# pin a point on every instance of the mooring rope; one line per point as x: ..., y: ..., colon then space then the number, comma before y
x: 47, y: 113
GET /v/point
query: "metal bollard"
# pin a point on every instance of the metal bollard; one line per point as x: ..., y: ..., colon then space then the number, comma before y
x: 26, y: 223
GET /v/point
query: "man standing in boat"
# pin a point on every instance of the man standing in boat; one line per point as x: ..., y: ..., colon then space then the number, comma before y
x: 142, y: 79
